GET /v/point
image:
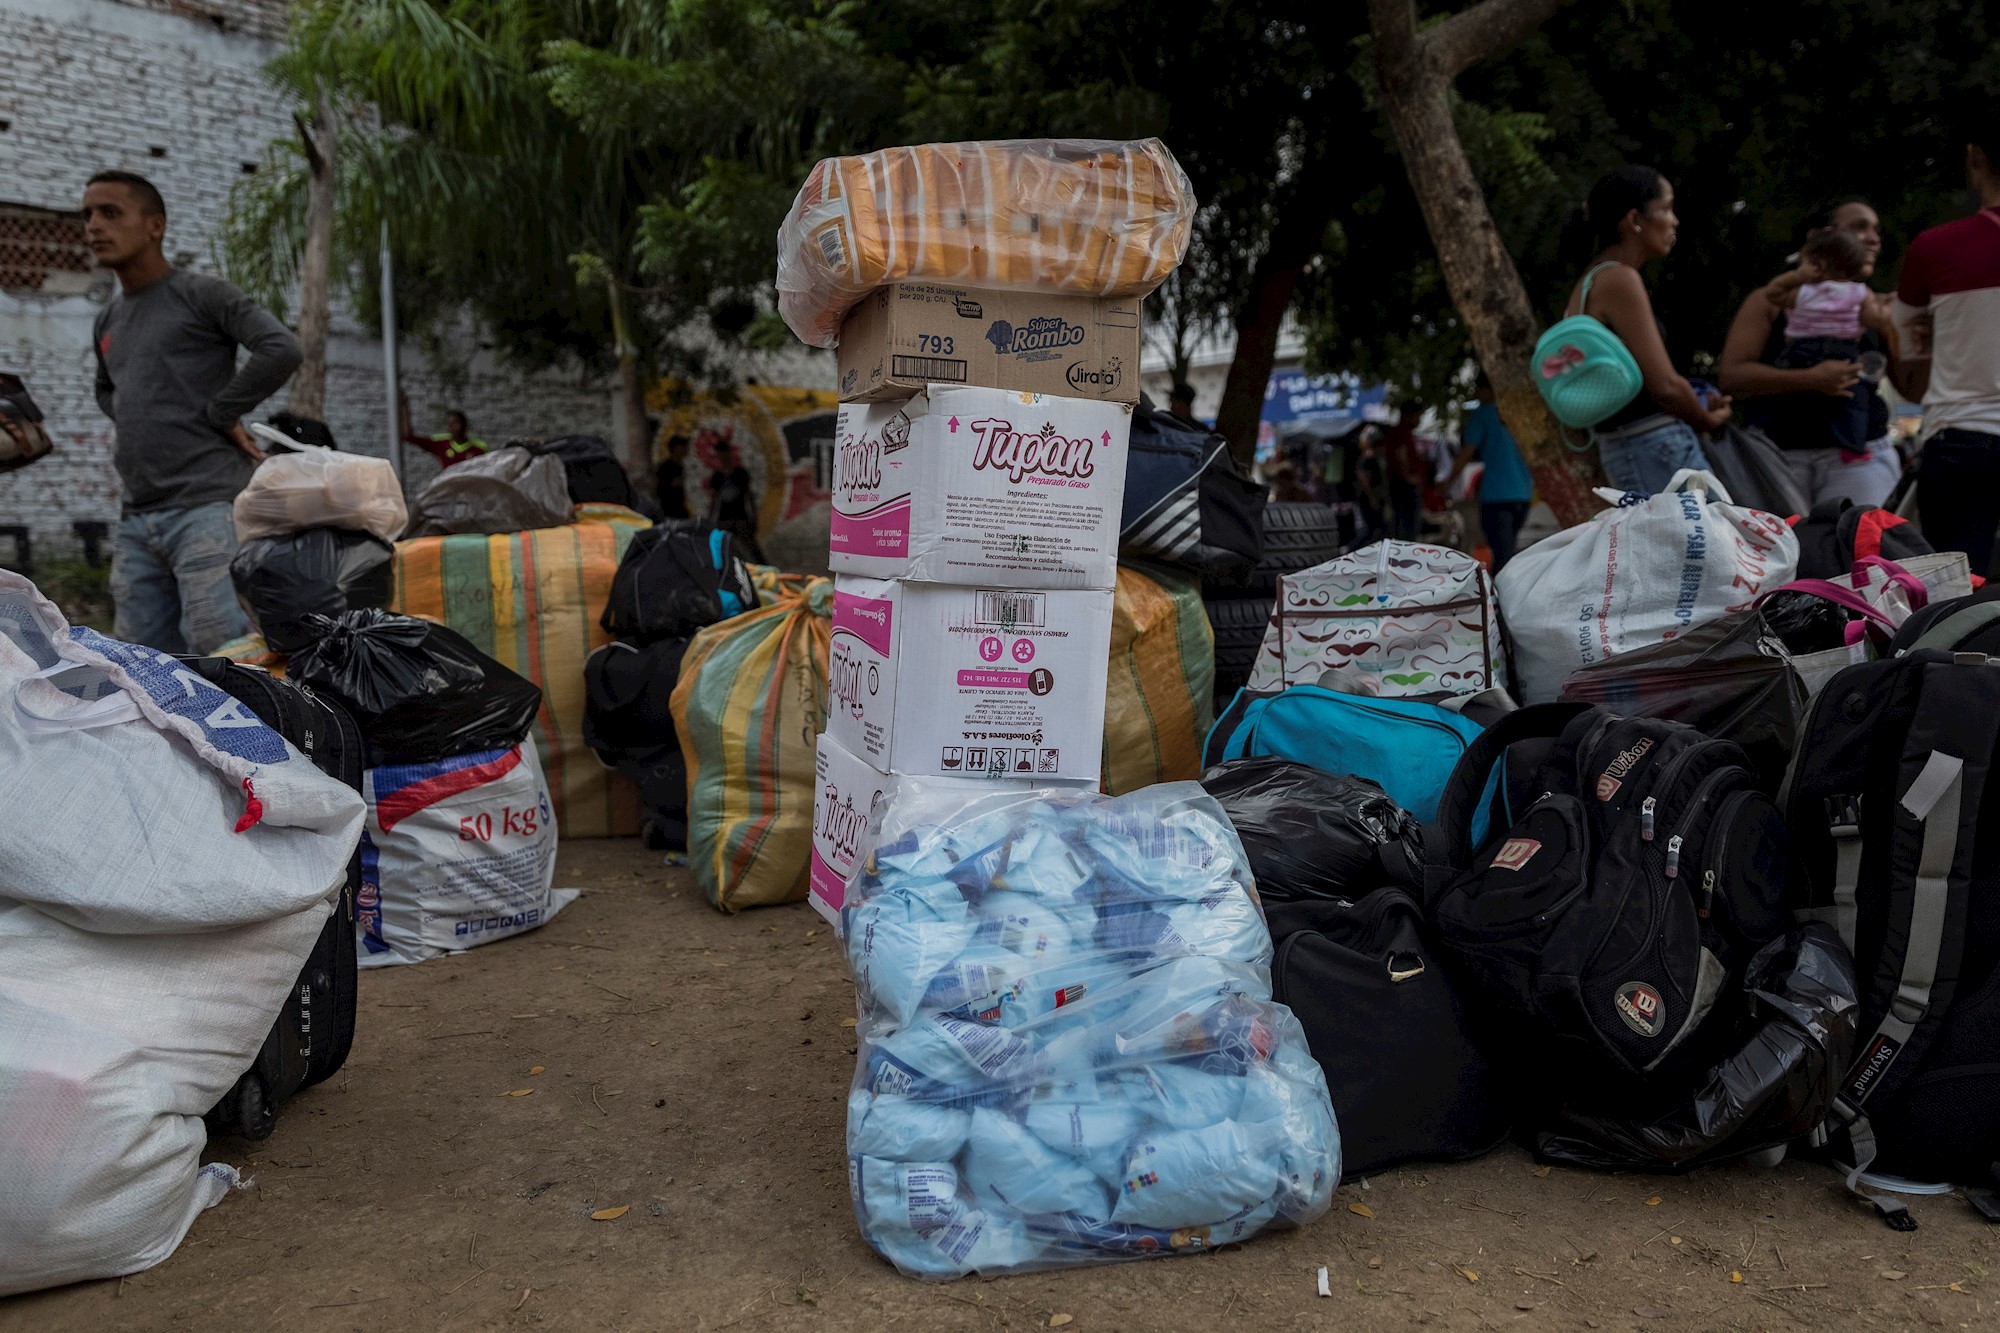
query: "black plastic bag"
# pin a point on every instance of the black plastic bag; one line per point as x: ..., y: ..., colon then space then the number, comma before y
x: 318, y: 572
x: 1310, y: 834
x: 418, y: 690
x: 509, y: 490
x: 1795, y: 1037
x: 1718, y: 679
x: 1805, y: 623
x: 628, y: 723
x: 594, y: 474
x: 675, y: 580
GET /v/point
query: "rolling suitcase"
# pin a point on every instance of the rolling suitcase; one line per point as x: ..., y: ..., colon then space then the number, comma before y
x: 311, y: 1037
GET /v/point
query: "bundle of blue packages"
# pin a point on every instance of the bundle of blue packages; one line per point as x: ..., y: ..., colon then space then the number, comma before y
x: 1069, y: 1053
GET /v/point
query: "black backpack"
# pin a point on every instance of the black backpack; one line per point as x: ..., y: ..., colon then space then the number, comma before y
x: 1186, y: 501
x: 1386, y: 1023
x: 314, y: 1031
x: 675, y: 580
x: 1896, y: 829
x: 1838, y: 532
x: 1631, y: 869
x: 594, y: 473
x: 1959, y: 625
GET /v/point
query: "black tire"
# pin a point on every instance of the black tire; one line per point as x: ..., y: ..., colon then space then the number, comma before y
x: 1239, y: 624
x: 1297, y: 535
x: 253, y: 1115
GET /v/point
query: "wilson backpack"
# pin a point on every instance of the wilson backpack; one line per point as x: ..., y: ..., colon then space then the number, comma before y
x: 1584, y: 371
x: 1634, y: 870
x: 1895, y: 822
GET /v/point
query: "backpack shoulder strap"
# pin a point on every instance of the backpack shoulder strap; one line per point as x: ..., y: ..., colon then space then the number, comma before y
x: 1459, y: 806
x: 1950, y: 631
x: 1583, y: 292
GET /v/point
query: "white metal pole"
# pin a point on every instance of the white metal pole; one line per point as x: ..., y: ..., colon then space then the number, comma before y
x: 391, y: 380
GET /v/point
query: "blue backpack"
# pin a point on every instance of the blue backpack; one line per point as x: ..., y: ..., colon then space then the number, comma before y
x: 1405, y: 746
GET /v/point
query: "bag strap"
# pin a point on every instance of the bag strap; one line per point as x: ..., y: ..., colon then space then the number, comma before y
x: 106, y: 711
x: 1835, y: 593
x: 1467, y: 786
x: 1861, y: 576
x: 1951, y: 629
x: 1583, y: 292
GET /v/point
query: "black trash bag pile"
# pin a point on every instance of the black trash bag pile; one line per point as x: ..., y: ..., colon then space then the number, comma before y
x: 1311, y: 834
x: 627, y: 723
x: 284, y: 582
x: 1772, y: 1082
x: 418, y: 690
x: 593, y: 473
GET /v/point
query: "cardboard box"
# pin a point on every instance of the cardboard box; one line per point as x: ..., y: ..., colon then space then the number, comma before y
x: 937, y: 679
x: 959, y: 485
x: 846, y: 796
x: 912, y: 334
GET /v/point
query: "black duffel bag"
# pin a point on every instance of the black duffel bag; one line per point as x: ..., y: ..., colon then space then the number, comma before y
x: 627, y: 723
x: 1312, y: 834
x: 1186, y: 501
x: 1408, y: 1078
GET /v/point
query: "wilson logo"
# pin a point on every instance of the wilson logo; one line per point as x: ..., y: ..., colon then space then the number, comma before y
x: 859, y: 465
x: 1515, y: 853
x: 1641, y: 1007
x: 1047, y: 454
x: 1609, y: 781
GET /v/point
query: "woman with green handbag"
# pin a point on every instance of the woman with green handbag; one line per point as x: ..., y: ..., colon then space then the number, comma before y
x: 1642, y: 414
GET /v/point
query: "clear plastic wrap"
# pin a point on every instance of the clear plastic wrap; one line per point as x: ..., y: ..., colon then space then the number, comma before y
x: 1068, y: 1048
x: 318, y: 488
x: 1088, y: 217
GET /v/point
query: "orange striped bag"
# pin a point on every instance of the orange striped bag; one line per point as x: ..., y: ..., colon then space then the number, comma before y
x: 1086, y: 217
x: 531, y: 601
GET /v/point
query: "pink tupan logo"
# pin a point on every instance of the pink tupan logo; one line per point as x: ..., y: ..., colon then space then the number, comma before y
x: 1046, y: 454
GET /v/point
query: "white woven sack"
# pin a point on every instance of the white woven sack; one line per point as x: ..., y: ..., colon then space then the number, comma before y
x: 166, y: 863
x: 312, y: 487
x: 1641, y: 573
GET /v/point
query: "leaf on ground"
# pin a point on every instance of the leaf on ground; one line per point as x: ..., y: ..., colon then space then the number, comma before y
x: 1524, y: 1305
x: 1058, y: 1320
x: 1360, y: 1210
x: 1652, y: 1311
x: 536, y: 1070
x: 652, y: 1043
x: 1957, y: 1287
x: 1375, y: 1263
x: 1736, y: 1277
x: 1653, y: 1202
x: 520, y: 1092
x: 1542, y: 1170
x: 847, y: 1022
x: 1894, y: 1274
x: 1673, y: 1240
x: 611, y: 1214
x: 1466, y: 1273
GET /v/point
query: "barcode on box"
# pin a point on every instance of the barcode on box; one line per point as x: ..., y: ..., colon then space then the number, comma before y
x: 930, y: 369
x: 1012, y: 610
x: 832, y: 246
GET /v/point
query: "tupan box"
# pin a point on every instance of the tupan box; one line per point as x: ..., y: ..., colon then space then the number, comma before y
x: 903, y: 337
x: 949, y: 681
x: 846, y: 796
x: 961, y: 485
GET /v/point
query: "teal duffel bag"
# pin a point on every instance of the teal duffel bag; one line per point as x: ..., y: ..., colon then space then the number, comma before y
x: 1405, y: 746
x: 1585, y: 372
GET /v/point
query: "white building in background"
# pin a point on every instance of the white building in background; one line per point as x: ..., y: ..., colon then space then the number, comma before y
x: 173, y: 90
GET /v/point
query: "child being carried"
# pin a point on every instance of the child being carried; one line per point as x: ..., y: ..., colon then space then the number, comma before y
x: 1826, y: 306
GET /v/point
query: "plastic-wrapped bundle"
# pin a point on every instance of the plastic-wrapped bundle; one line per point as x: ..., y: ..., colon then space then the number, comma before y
x: 319, y: 488
x: 1083, y: 216
x: 1069, y: 1053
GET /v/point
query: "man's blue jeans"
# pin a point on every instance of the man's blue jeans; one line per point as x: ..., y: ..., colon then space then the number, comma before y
x: 170, y: 579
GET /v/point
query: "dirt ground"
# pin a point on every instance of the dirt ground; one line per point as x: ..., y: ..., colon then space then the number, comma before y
x: 694, y: 1071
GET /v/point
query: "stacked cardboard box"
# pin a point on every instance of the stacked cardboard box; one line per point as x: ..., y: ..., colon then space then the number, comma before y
x: 974, y: 547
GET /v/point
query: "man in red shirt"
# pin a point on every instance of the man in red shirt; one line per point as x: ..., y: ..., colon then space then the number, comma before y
x: 454, y: 446
x: 1951, y: 283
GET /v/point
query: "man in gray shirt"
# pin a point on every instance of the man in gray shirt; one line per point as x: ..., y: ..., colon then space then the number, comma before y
x: 167, y: 378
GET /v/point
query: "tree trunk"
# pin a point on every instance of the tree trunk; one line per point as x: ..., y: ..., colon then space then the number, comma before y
x: 322, y: 145
x: 637, y: 445
x: 1257, y: 328
x: 1415, y: 73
